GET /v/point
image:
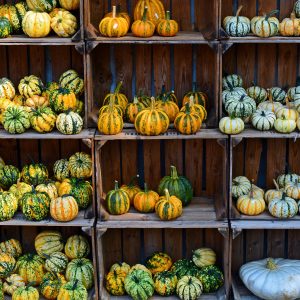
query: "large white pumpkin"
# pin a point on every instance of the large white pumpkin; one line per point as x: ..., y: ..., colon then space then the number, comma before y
x: 272, y: 279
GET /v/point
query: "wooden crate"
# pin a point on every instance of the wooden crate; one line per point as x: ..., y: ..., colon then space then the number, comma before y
x: 135, y: 245
x: 202, y: 158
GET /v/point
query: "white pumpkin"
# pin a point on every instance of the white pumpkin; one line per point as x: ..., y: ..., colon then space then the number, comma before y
x: 263, y: 119
x: 273, y: 193
x: 272, y: 279
x: 241, y: 185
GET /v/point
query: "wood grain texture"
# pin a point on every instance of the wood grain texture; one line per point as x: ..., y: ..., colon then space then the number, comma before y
x: 276, y: 243
x: 253, y: 159
x: 255, y: 247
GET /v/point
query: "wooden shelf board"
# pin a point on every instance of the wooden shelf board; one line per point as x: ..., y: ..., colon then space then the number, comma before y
x: 171, y: 134
x: 257, y: 40
x: 201, y: 213
x: 272, y: 134
x: 240, y: 292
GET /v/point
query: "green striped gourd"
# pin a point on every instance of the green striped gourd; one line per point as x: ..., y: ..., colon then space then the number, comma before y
x: 12, y: 282
x: 72, y: 290
x: 211, y: 278
x: 30, y: 85
x: 7, y: 265
x: 80, y: 165
x: 8, y: 206
x: 71, y: 80
x: 292, y: 92
x: 122, y: 266
x: 51, y: 284
x: 232, y: 81
x: 77, y: 246
x: 41, y: 5
x: 56, y: 262
x: 115, y: 282
x: 233, y: 93
x: 257, y: 93
x: 69, y: 123
x: 34, y: 174
x: 26, y: 292
x: 241, y: 185
x: 284, y: 179
x: 16, y: 119
x: 158, y: 262
x: 19, y: 189
x: 61, y: 169
x: 277, y: 94
x: 242, y: 108
x: 12, y: 247
x: 263, y: 119
x: 189, y: 288
x: 185, y: 267
x: 5, y: 27
x: 9, y: 175
x: 266, y: 25
x: 283, y: 207
x: 7, y: 89
x: 165, y: 283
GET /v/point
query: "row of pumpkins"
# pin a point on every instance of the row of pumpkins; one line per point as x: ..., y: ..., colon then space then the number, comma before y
x: 265, y: 109
x: 42, y: 107
x: 31, y: 191
x: 57, y: 270
x: 36, y: 18
x: 152, y: 116
x: 188, y: 279
x: 263, y: 26
x: 282, y: 202
x: 148, y: 19
x: 174, y: 192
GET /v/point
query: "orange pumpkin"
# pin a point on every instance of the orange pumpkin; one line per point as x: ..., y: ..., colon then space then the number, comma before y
x: 145, y: 201
x: 64, y: 209
x: 155, y: 12
x: 143, y: 28
x: 199, y: 97
x: 197, y: 108
x: 132, y: 109
x: 121, y: 14
x: 131, y: 189
x: 36, y: 101
x: 169, y: 107
x: 167, y: 27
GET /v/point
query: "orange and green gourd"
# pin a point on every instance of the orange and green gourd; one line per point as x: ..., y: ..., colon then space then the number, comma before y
x: 143, y: 28
x: 131, y: 188
x: 51, y: 284
x: 7, y: 265
x: 119, y: 98
x: 168, y: 106
x: 12, y: 247
x: 5, y: 27
x: 132, y: 109
x: 115, y: 282
x: 9, y: 175
x: 198, y: 96
x: 167, y: 27
x: 73, y: 290
x: 34, y: 174
x: 196, y: 108
x: 159, y: 262
x: 165, y: 283
x: 145, y: 201
x: 81, y: 165
x: 62, y: 100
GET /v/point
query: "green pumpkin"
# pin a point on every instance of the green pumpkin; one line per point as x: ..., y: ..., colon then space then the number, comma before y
x: 178, y: 186
x: 139, y: 285
x: 26, y: 292
x: 297, y: 8
x: 81, y: 165
x: 189, y: 288
x: 8, y: 205
x: 72, y: 290
x: 19, y: 189
x: 257, y: 93
x: 263, y: 119
x: 34, y: 174
x: 9, y: 175
x: 62, y: 100
x: 165, y: 283
x: 277, y: 94
x: 185, y: 267
x: 12, y: 247
x: 241, y: 108
x: 51, y: 285
x: 5, y: 27
x: 71, y: 80
x: 61, y: 169
x: 232, y: 81
x: 212, y: 278
x: 41, y: 5
x: 15, y: 14
x: 48, y: 242
x: 56, y: 262
x: 293, y: 91
x: 233, y: 93
x: 42, y: 119
x: 284, y: 179
x: 16, y: 119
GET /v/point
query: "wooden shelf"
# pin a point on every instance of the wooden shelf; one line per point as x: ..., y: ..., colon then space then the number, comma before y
x: 272, y: 134
x: 252, y: 39
x: 240, y: 292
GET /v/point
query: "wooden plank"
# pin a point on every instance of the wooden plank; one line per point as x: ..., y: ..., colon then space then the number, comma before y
x: 237, y: 255
x: 286, y: 8
x: 173, y: 243
x: 152, y: 241
x: 17, y: 61
x: 194, y: 240
x: 255, y: 245
x: 214, y: 240
x: 129, y: 160
x: 293, y: 240
x: 181, y: 13
x: 69, y: 147
x: 60, y: 59
x: 287, y: 69
x: 37, y: 61
x: 29, y: 152
x: 294, y: 156
x: 249, y: 8
x: 131, y: 246
x: 276, y: 243
x: 173, y: 156
x: 206, y: 15
x: 4, y: 62
x: 9, y: 152
x: 49, y: 157
x: 266, y: 6
x: 238, y: 159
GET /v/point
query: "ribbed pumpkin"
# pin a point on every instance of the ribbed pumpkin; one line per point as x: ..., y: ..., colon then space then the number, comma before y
x: 36, y: 101
x: 82, y: 270
x: 48, y: 242
x: 77, y: 246
x: 5, y: 27
x: 170, y: 95
x: 115, y: 282
x: 292, y: 190
x: 273, y: 193
x: 81, y: 165
x: 69, y: 123
x: 167, y: 27
x: 290, y: 26
x: 242, y: 107
x: 232, y: 81
x: 69, y: 4
x: 144, y: 99
x: 7, y: 265
x: 198, y: 96
x: 64, y: 209
x: 12, y: 282
x: 120, y: 13
x: 119, y: 98
x: 19, y: 189
x: 257, y: 93
x: 294, y: 91
x: 26, y: 292
x: 49, y: 188
x: 7, y: 89
x: 62, y: 100
x: 270, y: 105
x: 283, y: 207
x: 132, y: 109
x: 71, y: 80
x: 195, y: 108
x: 116, y: 108
x: 42, y: 119
x: 63, y: 23
x: 117, y: 201
x: 284, y: 125
x: 41, y: 5
x: 151, y: 121
x: 120, y: 266
x: 235, y: 93
x: 16, y: 119
x: 131, y: 189
x: 139, y: 267
x: 72, y: 290
x: 266, y: 25
x: 284, y: 179
x: 31, y: 268
x: 263, y: 119
x: 12, y: 247
x: 155, y: 12
x: 61, y: 169
x: 168, y: 106
x: 144, y: 201
x: 34, y: 174
x: 277, y: 94
x: 165, y: 283
x: 9, y: 175
x: 185, y: 267
x: 211, y: 278
x: 30, y: 86
x: 8, y: 205
x: 287, y: 112
x: 51, y: 284
x: 144, y: 27
x: 231, y: 125
x: 57, y: 262
x: 189, y: 288
x: 241, y: 185
x: 203, y: 257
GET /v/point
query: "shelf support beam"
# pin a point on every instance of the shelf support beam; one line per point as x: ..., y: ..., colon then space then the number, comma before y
x: 224, y: 231
x: 236, y: 232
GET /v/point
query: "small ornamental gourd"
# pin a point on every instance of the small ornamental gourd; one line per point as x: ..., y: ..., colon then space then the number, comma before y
x: 242, y: 107
x: 36, y: 24
x: 51, y: 285
x: 231, y: 125
x: 49, y: 188
x: 72, y: 290
x: 8, y: 206
x: 196, y: 108
x: 271, y: 194
x: 132, y: 109
x: 145, y: 201
x: 266, y: 25
x: 36, y: 101
x: 284, y: 125
x: 5, y: 27
x: 290, y: 26
x: 77, y: 246
x: 81, y: 165
x: 297, y: 8
x: 71, y: 80
x: 233, y: 93
x: 120, y: 13
x: 165, y: 283
x: 34, y: 174
x: 119, y: 98
x: 211, y: 278
x: 294, y: 91
x: 185, y: 267
x: 16, y: 119
x: 61, y: 169
x: 41, y: 5
x: 116, y: 108
x: 169, y: 95
x: 198, y: 96
x: 42, y: 119
x: 168, y: 106
x: 120, y: 266
x: 30, y: 86
x: 56, y: 262
x: 158, y: 262
x: 115, y: 280
x: 12, y: 282
x: 257, y: 93
x: 131, y: 189
x: 139, y: 267
x: 167, y: 27
x: 69, y: 122
x: 286, y: 178
x: 7, y: 265
x: 287, y: 112
x: 292, y: 189
x: 232, y: 81
x: 69, y: 4
x: 9, y: 175
x: 62, y: 100
x: 19, y: 189
x: 270, y: 105
x: 237, y: 25
x: 12, y: 247
x: 26, y: 292
x: 283, y: 207
x: 117, y: 201
x: 7, y: 89
x: 64, y: 209
x: 143, y: 28
x: 203, y: 257
x: 298, y: 124
x: 263, y: 119
x: 189, y: 288
x: 63, y: 23
x: 277, y: 94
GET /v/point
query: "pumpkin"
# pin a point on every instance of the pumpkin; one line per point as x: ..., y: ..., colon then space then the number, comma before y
x: 82, y: 270
x: 284, y: 125
x: 12, y: 282
x: 170, y: 96
x: 232, y: 81
x: 69, y: 4
x: 63, y: 23
x: 298, y: 124
x: 120, y: 13
x: 77, y: 246
x: 231, y: 125
x: 51, y: 285
x: 56, y: 262
x: 145, y: 100
x: 189, y: 288
x: 266, y: 25
x: 284, y: 179
x: 169, y: 107
x: 168, y: 207
x: 139, y: 285
x: 116, y: 108
x: 36, y: 25
x: 287, y: 112
x: 282, y: 273
x: 5, y: 27
x: 117, y: 201
x: 41, y: 5
x: 12, y: 247
x: 263, y: 119
x: 80, y: 189
x: 30, y: 86
x: 211, y: 278
x: 292, y: 189
x: 198, y: 96
x: 34, y: 174
x: 114, y: 25
x: 4, y: 104
x: 72, y: 290
x: 8, y: 206
x: 16, y: 119
x: 62, y: 100
x: 31, y: 268
x: 158, y: 262
x: 290, y: 26
x: 151, y: 121
x: 70, y: 80
x: 167, y: 27
x: 297, y: 8
x: 26, y: 292
x: 257, y: 192
x: 237, y: 25
x: 1, y: 290
x: 185, y: 267
x: 81, y: 165
x: 132, y: 109
x: 64, y: 209
x: 131, y: 189
x: 7, y: 89
x: 233, y: 93
x: 139, y: 267
x: 36, y: 101
x: 195, y: 108
x: 120, y: 266
x: 293, y: 91
x: 257, y: 93
x: 61, y: 169
x: 271, y: 194
x: 165, y: 283
x: 42, y: 119
x: 7, y: 265
x: 48, y: 242
x: 277, y: 94
x: 145, y: 201
x: 242, y: 107
x: 270, y: 105
x: 115, y: 282
x: 9, y: 175
x: 49, y: 188
x: 203, y: 257
x: 283, y: 207
x: 144, y: 27
x: 155, y: 12
x: 119, y: 98
x: 69, y: 123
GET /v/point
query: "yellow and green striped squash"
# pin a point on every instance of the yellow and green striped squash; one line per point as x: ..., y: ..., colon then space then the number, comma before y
x: 7, y: 264
x: 155, y: 11
x: 16, y: 119
x: 57, y: 262
x: 12, y: 247
x: 15, y: 14
x: 198, y: 109
x: 203, y: 257
x: 132, y: 109
x: 139, y: 267
x: 12, y: 282
x: 169, y: 107
x: 72, y: 290
x: 115, y: 282
x: 62, y: 100
x: 165, y: 283
x: 49, y: 188
x: 266, y: 25
x: 7, y: 89
x: 34, y: 174
x: 8, y: 206
x: 30, y: 85
x: 41, y: 5
x: 42, y: 119
x: 70, y: 80
x: 198, y: 96
x: 119, y: 98
x: 81, y: 165
x: 77, y: 246
x: 158, y: 262
x: 167, y: 27
x: 19, y: 189
x: 9, y: 175
x: 26, y: 292
x: 51, y: 285
x: 189, y: 288
x: 61, y: 169
x: 69, y: 123
x: 5, y: 27
x: 120, y: 266
x: 231, y: 125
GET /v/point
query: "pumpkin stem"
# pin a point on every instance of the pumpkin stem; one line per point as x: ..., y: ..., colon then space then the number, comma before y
x: 271, y: 265
x: 288, y: 104
x: 119, y: 85
x: 168, y: 15
x: 32, y: 189
x: 276, y: 184
x: 270, y: 95
x: 273, y: 12
x: 283, y: 196
x: 144, y: 18
x: 145, y: 187
x: 191, y: 102
x: 194, y: 87
x: 114, y: 11
x: 239, y: 10
x: 187, y: 108
x: 133, y: 179
x: 116, y: 185
x: 111, y: 103
x: 135, y: 100
x: 174, y: 173
x: 152, y: 105
x: 167, y: 194
x: 293, y: 15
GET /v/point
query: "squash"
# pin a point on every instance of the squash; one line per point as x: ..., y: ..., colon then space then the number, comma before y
x: 277, y: 94
x: 233, y: 93
x: 132, y: 109
x: 30, y: 86
x: 115, y: 280
x: 69, y: 4
x: 198, y: 96
x: 41, y: 5
x: 231, y: 125
x: 5, y: 27
x: 263, y: 119
x: 195, y: 108
x: 266, y: 25
x: 49, y: 188
x: 257, y: 93
x: 211, y: 278
x: 116, y: 108
x: 167, y: 27
x: 287, y: 112
x: 34, y: 174
x: 9, y: 175
x: 81, y: 269
x: 69, y: 122
x: 62, y: 100
x: 119, y: 98
x: 42, y: 119
x: 144, y: 27
x: 131, y: 189
x: 242, y: 107
x: 281, y: 273
x: 145, y: 201
x: 139, y: 285
x: 120, y: 266
x: 257, y: 192
x: 298, y: 124
x: 48, y: 242
x: 12, y: 247
x: 51, y: 285
x: 120, y: 13
x: 270, y: 105
x: 7, y: 265
x: 77, y: 246
x: 168, y: 106
x: 8, y: 206
x: 284, y: 125
x: 185, y: 267
x: 151, y: 121
x: 36, y: 101
x: 271, y: 194
x: 7, y: 89
x: 232, y: 81
x: 139, y: 267
x: 237, y: 25
x: 26, y: 292
x: 72, y: 290
x: 170, y: 96
x: 297, y: 8
x: 144, y: 99
x: 283, y: 207
x: 81, y: 165
x: 189, y: 288
x: 165, y: 283
x: 293, y: 91
x: 57, y: 262
x: 36, y: 25
x: 292, y: 189
x: 12, y: 283
x: 155, y: 12
x: 114, y: 25
x: 290, y: 26
x: 63, y: 23
x: 117, y: 201
x: 71, y: 80
x: 158, y: 262
x: 61, y: 169
x: 64, y: 209
x: 16, y: 119
x: 203, y: 257
x: 284, y: 179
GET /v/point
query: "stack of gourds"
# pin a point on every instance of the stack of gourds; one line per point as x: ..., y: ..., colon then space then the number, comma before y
x: 42, y: 107
x: 186, y: 278
x: 263, y: 26
x: 31, y: 191
x: 282, y: 202
x: 152, y: 116
x: 265, y: 109
x: 174, y: 192
x: 148, y: 17
x: 36, y: 18
x: 57, y: 270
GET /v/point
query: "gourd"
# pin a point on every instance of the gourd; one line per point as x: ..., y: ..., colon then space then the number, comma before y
x: 144, y: 99
x: 196, y: 108
x: 185, y: 267
x: 131, y: 189
x: 7, y: 89
x: 116, y: 108
x: 169, y: 95
x: 81, y: 165
x: 71, y: 80
x: 242, y: 107
x: 16, y: 119
x: 270, y: 105
x: 144, y: 201
x: 120, y: 266
x: 49, y: 188
x: 5, y: 27
x: 120, y: 13
x: 151, y: 121
x: 119, y: 98
x: 266, y: 25
x: 287, y: 112
x: 198, y: 96
x: 62, y: 100
x: 277, y: 94
x: 26, y: 292
x: 284, y: 179
x: 177, y: 185
x: 36, y: 24
x: 48, y: 242
x: 69, y: 4
x: 7, y: 265
x: 237, y: 25
x: 42, y: 119
x: 203, y: 257
x: 56, y: 262
x: 257, y: 93
x: 139, y: 267
x: 271, y: 194
x: 232, y: 81
x: 117, y: 201
x: 292, y: 189
x: 294, y: 91
x: 284, y: 125
x: 158, y: 262
x: 167, y: 27
x: 64, y: 209
x: 290, y: 26
x: 61, y: 169
x: 8, y: 205
x: 12, y: 247
x: 211, y: 278
x: 115, y: 280
x: 263, y: 119
x: 30, y: 86
x: 233, y: 93
x: 69, y: 122
x: 144, y: 27
x: 36, y: 101
x: 283, y: 207
x: 63, y: 23
x: 168, y: 106
x: 298, y: 124
x: 34, y: 174
x: 77, y: 246
x: 189, y: 288
x: 281, y: 273
x: 132, y: 109
x: 9, y: 175
x: 165, y: 283
x: 297, y: 8
x: 41, y: 5
x: 72, y: 290
x: 12, y: 283
x: 231, y: 125
x: 51, y: 285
